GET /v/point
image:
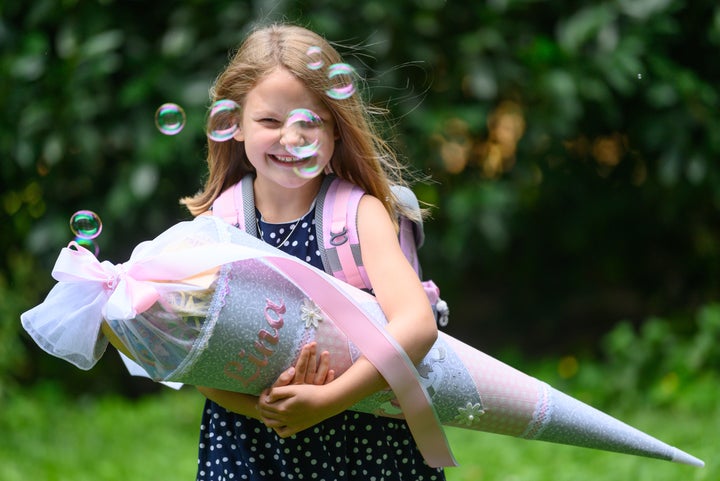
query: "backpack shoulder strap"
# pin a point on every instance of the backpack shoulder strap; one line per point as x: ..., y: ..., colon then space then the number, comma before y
x: 236, y: 206
x: 411, y: 234
x: 336, y: 223
x: 411, y: 237
x: 336, y: 218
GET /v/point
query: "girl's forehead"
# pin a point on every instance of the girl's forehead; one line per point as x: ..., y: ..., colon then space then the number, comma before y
x: 281, y: 90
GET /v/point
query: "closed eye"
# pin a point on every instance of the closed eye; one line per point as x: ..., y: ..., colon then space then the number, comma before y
x: 269, y: 121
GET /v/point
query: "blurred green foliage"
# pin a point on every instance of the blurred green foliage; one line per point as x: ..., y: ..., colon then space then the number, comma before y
x: 660, y: 364
x: 572, y: 147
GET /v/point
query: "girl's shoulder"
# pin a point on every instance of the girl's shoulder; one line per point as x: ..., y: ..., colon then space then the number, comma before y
x: 370, y: 208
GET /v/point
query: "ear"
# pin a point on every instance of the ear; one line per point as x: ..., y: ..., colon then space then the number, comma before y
x: 239, y: 135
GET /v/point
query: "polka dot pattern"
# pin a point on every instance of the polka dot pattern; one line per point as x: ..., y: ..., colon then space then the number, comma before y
x: 296, y: 238
x: 350, y: 446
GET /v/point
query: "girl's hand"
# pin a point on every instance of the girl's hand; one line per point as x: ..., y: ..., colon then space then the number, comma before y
x: 308, y: 371
x: 294, y: 408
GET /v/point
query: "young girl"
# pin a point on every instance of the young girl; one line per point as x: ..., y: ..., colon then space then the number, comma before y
x: 300, y: 428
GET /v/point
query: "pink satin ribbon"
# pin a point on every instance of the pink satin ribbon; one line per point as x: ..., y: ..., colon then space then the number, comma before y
x: 135, y: 285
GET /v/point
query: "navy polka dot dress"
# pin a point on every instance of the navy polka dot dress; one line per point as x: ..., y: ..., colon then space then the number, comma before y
x: 350, y: 446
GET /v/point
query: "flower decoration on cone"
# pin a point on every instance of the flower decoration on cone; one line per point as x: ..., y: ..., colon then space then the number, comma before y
x: 469, y: 414
x: 310, y: 313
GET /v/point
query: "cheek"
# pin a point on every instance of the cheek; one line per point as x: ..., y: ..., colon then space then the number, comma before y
x: 327, y: 145
x: 260, y: 138
x: 331, y: 142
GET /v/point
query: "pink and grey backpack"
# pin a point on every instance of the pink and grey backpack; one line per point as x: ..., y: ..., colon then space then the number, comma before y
x: 336, y: 218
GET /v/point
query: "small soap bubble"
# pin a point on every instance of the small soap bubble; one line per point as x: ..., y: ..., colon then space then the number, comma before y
x: 639, y: 76
x: 88, y: 244
x: 343, y: 77
x: 170, y: 118
x: 224, y: 120
x: 310, y: 170
x: 85, y: 224
x: 301, y: 133
x: 315, y: 61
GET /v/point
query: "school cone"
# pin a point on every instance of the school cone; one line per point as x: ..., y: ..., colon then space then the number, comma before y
x: 206, y: 304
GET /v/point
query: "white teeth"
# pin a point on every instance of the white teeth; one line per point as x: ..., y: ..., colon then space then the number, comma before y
x: 287, y: 159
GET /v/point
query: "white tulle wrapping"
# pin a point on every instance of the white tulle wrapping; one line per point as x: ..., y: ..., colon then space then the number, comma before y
x: 66, y: 325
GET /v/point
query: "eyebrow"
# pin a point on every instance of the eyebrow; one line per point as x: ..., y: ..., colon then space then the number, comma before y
x: 325, y: 114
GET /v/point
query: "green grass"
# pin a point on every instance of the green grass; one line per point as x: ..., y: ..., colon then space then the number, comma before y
x: 46, y: 436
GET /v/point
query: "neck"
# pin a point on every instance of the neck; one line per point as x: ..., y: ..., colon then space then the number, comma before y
x: 280, y: 204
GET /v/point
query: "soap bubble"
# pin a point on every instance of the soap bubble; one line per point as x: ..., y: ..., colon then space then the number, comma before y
x: 343, y: 77
x: 170, y: 118
x: 309, y: 170
x: 88, y: 244
x: 85, y: 224
x: 301, y: 133
x: 224, y: 120
x: 315, y: 61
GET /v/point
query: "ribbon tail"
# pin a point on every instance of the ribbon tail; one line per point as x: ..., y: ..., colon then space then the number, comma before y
x: 68, y: 323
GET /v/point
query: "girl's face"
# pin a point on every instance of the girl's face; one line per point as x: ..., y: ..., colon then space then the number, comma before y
x: 262, y: 130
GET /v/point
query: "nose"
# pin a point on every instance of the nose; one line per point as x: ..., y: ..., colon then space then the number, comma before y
x: 300, y: 135
x: 300, y: 142
x: 290, y: 137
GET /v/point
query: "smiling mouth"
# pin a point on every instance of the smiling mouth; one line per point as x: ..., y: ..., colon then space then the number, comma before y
x: 287, y: 159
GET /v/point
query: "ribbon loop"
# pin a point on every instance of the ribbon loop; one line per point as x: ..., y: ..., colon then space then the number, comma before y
x: 127, y: 296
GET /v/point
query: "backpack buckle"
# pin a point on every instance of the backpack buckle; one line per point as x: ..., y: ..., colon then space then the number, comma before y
x: 339, y: 238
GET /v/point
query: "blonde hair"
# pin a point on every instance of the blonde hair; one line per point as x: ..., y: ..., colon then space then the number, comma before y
x: 361, y: 155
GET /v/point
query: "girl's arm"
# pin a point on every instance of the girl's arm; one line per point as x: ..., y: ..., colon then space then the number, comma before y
x: 290, y: 409
x: 244, y: 404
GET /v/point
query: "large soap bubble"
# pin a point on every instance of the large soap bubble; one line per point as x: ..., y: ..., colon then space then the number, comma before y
x: 224, y: 120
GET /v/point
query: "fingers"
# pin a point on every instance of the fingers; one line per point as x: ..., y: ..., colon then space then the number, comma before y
x: 312, y: 364
x: 272, y: 417
x: 270, y: 396
x: 309, y: 368
x: 285, y: 378
x: 282, y: 430
x: 301, y: 365
x: 285, y: 432
x: 277, y: 426
x: 323, y: 369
